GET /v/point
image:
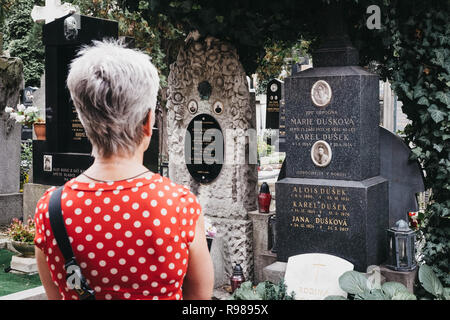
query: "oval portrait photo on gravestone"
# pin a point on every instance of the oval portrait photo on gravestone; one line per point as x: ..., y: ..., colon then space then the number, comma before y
x: 321, y: 153
x: 321, y: 93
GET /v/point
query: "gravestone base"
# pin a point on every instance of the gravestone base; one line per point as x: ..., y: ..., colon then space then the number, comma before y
x: 23, y: 265
x: 347, y: 219
x: 407, y: 278
x: 10, y: 207
x: 218, y: 260
x: 62, y: 166
x: 274, y: 272
x: 262, y: 256
x: 237, y: 245
x: 32, y: 192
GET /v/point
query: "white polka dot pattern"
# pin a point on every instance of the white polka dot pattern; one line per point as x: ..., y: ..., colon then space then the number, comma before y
x: 131, y: 238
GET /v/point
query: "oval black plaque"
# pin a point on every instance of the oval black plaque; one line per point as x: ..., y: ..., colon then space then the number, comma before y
x: 204, y: 148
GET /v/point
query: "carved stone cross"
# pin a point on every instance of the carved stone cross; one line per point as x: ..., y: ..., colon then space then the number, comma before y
x: 53, y: 10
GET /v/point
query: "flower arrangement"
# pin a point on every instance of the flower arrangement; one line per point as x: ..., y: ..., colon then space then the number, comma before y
x: 210, y: 230
x: 22, y: 232
x: 24, y: 115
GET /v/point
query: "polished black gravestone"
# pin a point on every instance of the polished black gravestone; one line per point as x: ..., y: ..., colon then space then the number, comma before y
x: 273, y: 100
x: 204, y: 148
x: 333, y: 199
x: 405, y: 176
x: 66, y: 151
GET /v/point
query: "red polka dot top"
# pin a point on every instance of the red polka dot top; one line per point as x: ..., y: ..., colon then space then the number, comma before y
x: 131, y: 238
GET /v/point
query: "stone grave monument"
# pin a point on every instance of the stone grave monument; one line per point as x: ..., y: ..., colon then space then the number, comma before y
x: 333, y: 199
x: 273, y: 102
x: 66, y: 151
x: 11, y: 78
x: 209, y: 116
x: 315, y: 276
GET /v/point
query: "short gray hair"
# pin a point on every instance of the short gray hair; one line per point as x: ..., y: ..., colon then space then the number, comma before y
x: 113, y: 89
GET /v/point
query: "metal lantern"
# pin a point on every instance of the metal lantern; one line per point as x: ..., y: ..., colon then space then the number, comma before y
x: 402, y: 251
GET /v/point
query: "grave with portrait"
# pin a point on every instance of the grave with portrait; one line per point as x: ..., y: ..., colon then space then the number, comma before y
x: 66, y: 151
x: 333, y: 199
x: 209, y: 118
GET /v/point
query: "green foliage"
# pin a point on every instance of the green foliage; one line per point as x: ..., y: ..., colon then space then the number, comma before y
x: 154, y: 34
x: 358, y: 287
x: 418, y: 64
x: 430, y: 282
x: 23, y: 40
x: 279, y: 57
x: 252, y: 26
x: 263, y: 291
x: 26, y: 161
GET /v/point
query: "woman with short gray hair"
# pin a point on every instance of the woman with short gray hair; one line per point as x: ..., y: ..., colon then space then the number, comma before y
x: 134, y: 233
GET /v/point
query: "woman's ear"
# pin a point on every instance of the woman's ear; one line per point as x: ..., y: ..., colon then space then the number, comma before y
x: 148, y: 125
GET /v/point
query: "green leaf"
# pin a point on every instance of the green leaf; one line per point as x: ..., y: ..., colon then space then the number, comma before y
x: 404, y: 296
x: 245, y: 292
x: 419, y: 92
x: 353, y: 282
x: 443, y: 97
x: 423, y: 101
x: 392, y: 288
x: 335, y: 298
x: 447, y: 293
x: 436, y: 114
x: 261, y: 289
x: 377, y: 294
x: 430, y: 281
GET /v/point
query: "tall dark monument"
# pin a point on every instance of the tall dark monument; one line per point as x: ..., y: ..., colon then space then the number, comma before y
x: 333, y: 199
x: 66, y: 151
x: 273, y: 102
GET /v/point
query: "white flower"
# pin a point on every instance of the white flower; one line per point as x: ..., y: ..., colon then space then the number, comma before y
x: 13, y: 115
x: 9, y: 109
x: 31, y: 110
x: 20, y: 107
x: 20, y: 118
x: 210, y: 230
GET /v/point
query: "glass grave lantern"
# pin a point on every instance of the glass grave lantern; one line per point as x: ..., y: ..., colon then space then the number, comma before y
x: 401, y: 242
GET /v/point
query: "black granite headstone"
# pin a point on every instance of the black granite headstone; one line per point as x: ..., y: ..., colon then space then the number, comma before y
x: 66, y: 151
x: 273, y: 98
x: 405, y: 176
x: 333, y: 199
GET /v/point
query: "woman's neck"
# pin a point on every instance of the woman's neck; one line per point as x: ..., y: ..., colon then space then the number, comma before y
x: 115, y: 168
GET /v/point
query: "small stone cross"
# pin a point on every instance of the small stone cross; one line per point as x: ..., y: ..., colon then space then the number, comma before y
x: 53, y: 10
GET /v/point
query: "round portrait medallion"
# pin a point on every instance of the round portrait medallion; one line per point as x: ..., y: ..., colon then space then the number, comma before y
x: 217, y: 107
x: 192, y: 106
x: 321, y: 93
x: 321, y: 153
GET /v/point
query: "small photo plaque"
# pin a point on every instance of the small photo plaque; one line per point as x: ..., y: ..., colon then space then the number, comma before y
x: 321, y: 153
x: 48, y: 165
x: 321, y: 93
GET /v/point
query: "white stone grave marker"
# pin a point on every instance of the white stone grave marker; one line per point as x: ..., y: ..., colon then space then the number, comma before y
x: 314, y: 276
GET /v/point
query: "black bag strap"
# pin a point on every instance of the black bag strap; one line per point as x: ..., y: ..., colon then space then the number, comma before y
x: 58, y: 226
x: 75, y: 278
